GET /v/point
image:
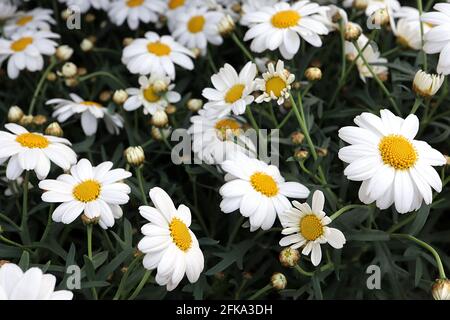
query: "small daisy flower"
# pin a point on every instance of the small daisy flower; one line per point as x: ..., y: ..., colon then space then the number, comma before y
x: 149, y: 96
x: 307, y: 227
x: 155, y: 54
x: 281, y: 25
x: 25, y: 51
x: 32, y: 284
x: 426, y: 85
x: 196, y: 27
x: 168, y: 244
x: 231, y: 92
x: 394, y: 167
x: 85, y: 5
x: 275, y: 84
x: 33, y: 151
x: 214, y: 139
x: 135, y: 11
x: 437, y: 40
x: 173, y: 9
x: 34, y: 20
x: 7, y: 10
x: 258, y: 190
x: 90, y: 111
x: 95, y: 191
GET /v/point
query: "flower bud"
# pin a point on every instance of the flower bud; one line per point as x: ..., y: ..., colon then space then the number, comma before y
x: 158, y: 133
x: 226, y: 25
x: 15, y: 114
x: 90, y: 17
x: 105, y: 95
x: 441, y: 289
x: 352, y: 31
x: 379, y: 18
x: 322, y: 152
x: 120, y: 96
x: 196, y: 52
x: 135, y: 155
x: 66, y: 14
x: 39, y: 119
x: 301, y: 154
x: 26, y: 120
x: 87, y: 221
x: 159, y: 86
x: 236, y: 7
x: 69, y: 70
x: 171, y: 109
x: 51, y: 76
x: 71, y: 82
x: 313, y: 74
x: 289, y: 257
x: 426, y: 85
x: 64, y: 52
x: 54, y: 129
x: 127, y: 41
x: 447, y: 158
x: 82, y: 71
x: 360, y: 4
x: 194, y: 104
x: 160, y: 119
x: 86, y: 45
x: 297, y: 137
x: 278, y: 281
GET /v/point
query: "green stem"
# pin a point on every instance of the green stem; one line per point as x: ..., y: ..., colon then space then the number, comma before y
x: 24, y: 223
x: 250, y: 116
x: 343, y: 59
x: 49, y: 223
x: 425, y: 246
x: 104, y: 74
x: 89, y: 240
x: 13, y: 243
x: 260, y: 292
x: 53, y: 63
x: 211, y: 61
x: 235, y: 231
x: 416, y: 105
x: 285, y: 120
x: 345, y: 209
x: 425, y: 62
x: 403, y: 222
x: 140, y: 285
x: 125, y: 277
x: 141, y: 184
x: 303, y: 271
x: 242, y: 47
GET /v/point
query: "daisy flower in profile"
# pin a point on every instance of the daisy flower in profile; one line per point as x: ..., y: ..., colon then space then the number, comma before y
x: 307, y: 227
x: 169, y: 246
x: 258, y: 190
x: 437, y: 40
x: 155, y: 54
x: 407, y: 33
x: 7, y: 10
x: 135, y: 11
x: 154, y: 94
x: 231, y: 92
x: 32, y: 284
x: 372, y: 56
x: 426, y: 85
x: 33, y: 151
x: 196, y: 27
x: 25, y: 51
x: 86, y: 5
x: 36, y: 19
x: 281, y: 25
x: 95, y: 191
x: 394, y: 167
x: 275, y: 84
x: 90, y: 111
x: 214, y: 139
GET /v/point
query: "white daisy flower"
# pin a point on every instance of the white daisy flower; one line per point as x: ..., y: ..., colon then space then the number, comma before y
x: 214, y: 139
x: 249, y: 6
x: 25, y: 51
x: 307, y: 227
x: 90, y: 112
x: 408, y: 33
x: 275, y: 84
x: 148, y: 97
x: 36, y: 19
x: 394, y: 167
x: 95, y: 191
x: 231, y: 92
x: 86, y: 5
x: 29, y: 285
x: 372, y: 56
x: 33, y: 151
x: 258, y: 190
x: 281, y: 25
x: 155, y: 54
x: 7, y: 10
x: 135, y: 11
x: 174, y: 8
x: 196, y: 27
x: 391, y: 6
x: 168, y: 244
x: 437, y: 40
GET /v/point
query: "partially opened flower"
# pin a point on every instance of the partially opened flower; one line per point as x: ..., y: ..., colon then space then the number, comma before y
x: 395, y: 169
x: 135, y: 11
x: 168, y: 244
x: 275, y: 84
x: 90, y: 111
x: 95, y: 191
x: 282, y: 25
x: 307, y: 227
x: 231, y: 92
x: 258, y: 190
x: 7, y: 10
x: 33, y: 20
x: 32, y: 284
x: 426, y: 85
x: 33, y: 151
x: 155, y: 54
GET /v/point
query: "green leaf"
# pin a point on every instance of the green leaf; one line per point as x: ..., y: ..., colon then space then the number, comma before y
x: 420, y: 220
x: 24, y: 262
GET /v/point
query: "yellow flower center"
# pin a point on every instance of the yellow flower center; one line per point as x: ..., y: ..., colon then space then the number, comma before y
x: 150, y: 95
x: 275, y: 85
x: 285, y: 19
x: 91, y: 104
x: 397, y: 152
x: 263, y: 183
x: 311, y: 227
x: 173, y: 4
x: 32, y: 140
x: 180, y: 234
x: 196, y: 24
x: 87, y: 191
x: 24, y: 20
x: 159, y: 49
x: 21, y: 44
x: 134, y: 3
x: 234, y: 93
x: 226, y: 126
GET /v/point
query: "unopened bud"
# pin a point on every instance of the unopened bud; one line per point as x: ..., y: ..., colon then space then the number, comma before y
x: 441, y: 289
x: 160, y: 119
x: 15, y: 114
x: 26, y: 120
x: 380, y: 17
x: 360, y: 4
x: 105, y: 95
x: 71, y: 82
x: 289, y: 257
x: 69, y: 70
x: 447, y: 158
x: 171, y: 109
x: 322, y: 152
x: 120, y: 96
x: 301, y: 154
x: 352, y: 31
x: 39, y: 119
x: 54, y: 129
x: 278, y: 281
x: 226, y: 25
x: 86, y: 45
x: 51, y: 76
x: 64, y: 52
x: 313, y: 74
x: 127, y: 41
x: 159, y: 86
x: 90, y: 17
x: 194, y: 104
x: 196, y: 52
x: 135, y: 155
x: 297, y: 137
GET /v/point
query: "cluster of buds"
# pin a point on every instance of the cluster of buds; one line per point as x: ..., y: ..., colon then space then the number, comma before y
x: 16, y: 115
